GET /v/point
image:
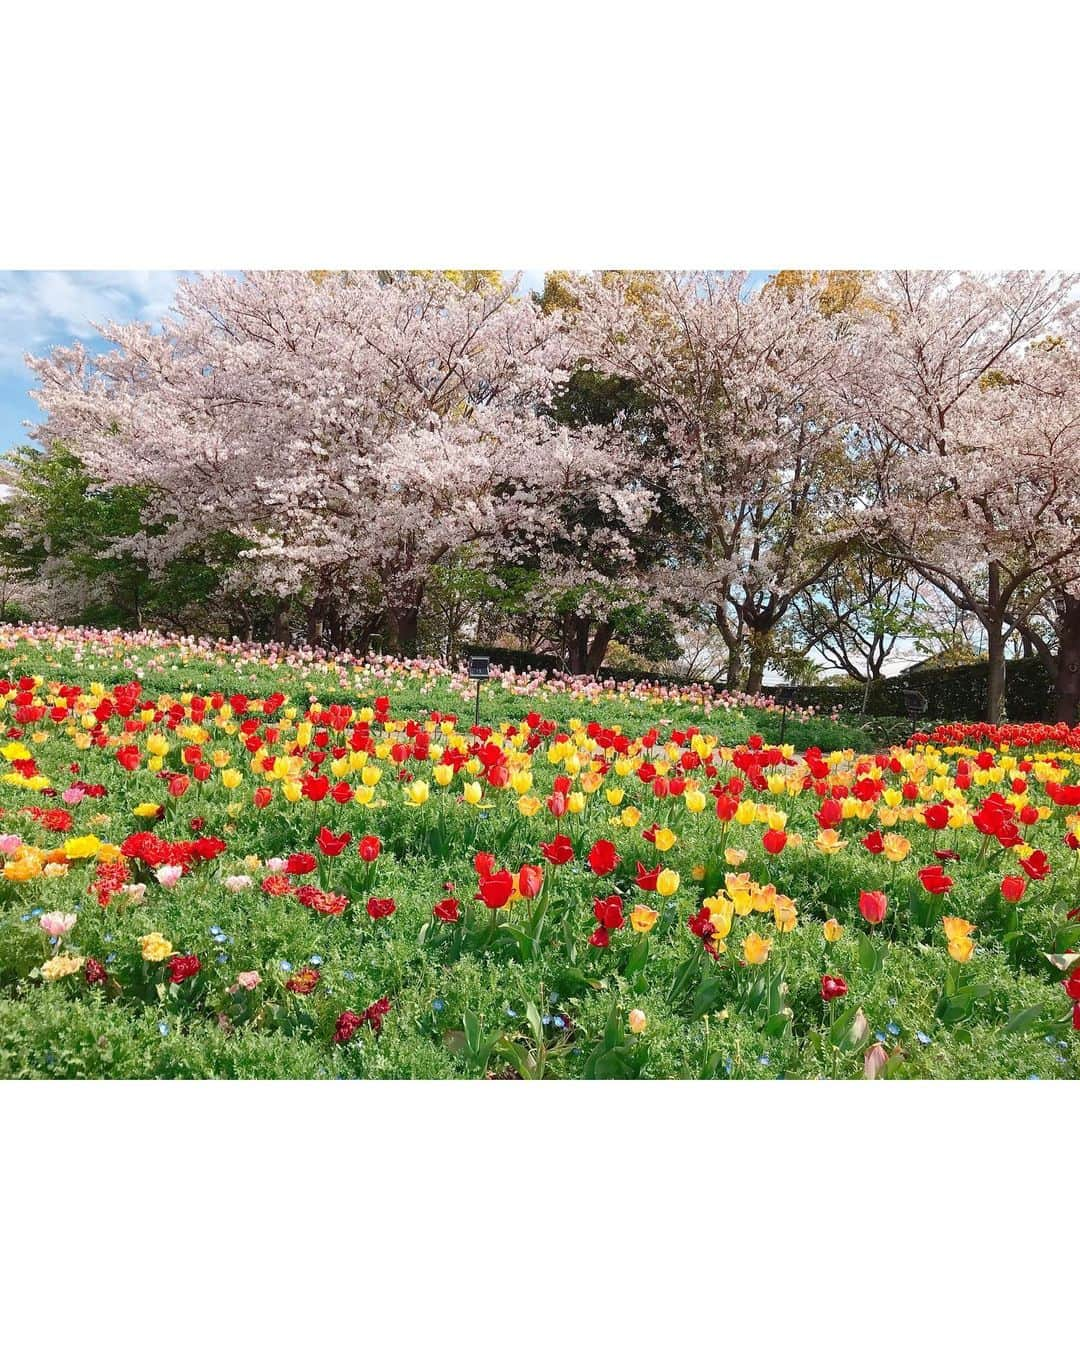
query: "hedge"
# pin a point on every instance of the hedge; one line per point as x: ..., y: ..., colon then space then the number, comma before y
x: 952, y: 693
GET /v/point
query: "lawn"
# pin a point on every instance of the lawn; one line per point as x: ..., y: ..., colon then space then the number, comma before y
x: 238, y: 862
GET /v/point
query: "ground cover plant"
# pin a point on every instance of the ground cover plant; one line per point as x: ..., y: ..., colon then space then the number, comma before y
x: 224, y: 860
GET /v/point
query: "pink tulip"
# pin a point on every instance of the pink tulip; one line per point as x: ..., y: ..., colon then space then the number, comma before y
x: 169, y: 874
x: 874, y: 1060
x: 9, y: 843
x: 56, y: 924
x: 249, y: 979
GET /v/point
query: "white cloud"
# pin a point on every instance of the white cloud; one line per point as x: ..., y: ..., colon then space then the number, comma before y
x: 40, y: 310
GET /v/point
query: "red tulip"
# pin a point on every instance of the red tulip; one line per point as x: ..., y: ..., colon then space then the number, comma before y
x: 874, y: 843
x: 873, y: 905
x: 1013, y: 888
x: 262, y: 797
x: 609, y: 912
x: 369, y: 848
x: 1037, y: 866
x: 315, y: 787
x: 331, y: 845
x: 530, y: 880
x: 447, y: 911
x: 602, y: 857
x: 937, y: 816
x: 559, y: 851
x: 773, y: 841
x: 380, y: 908
x: 646, y: 877
x: 832, y: 986
x: 934, y: 880
x: 496, y: 889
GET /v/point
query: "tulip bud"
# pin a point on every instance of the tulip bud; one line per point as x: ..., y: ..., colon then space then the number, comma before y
x: 637, y: 1021
x: 874, y: 1060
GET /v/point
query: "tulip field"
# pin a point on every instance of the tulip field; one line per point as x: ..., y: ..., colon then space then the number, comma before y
x: 229, y: 861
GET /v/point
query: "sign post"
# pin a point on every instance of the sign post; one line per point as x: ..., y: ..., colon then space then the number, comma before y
x: 479, y: 670
x: 914, y: 704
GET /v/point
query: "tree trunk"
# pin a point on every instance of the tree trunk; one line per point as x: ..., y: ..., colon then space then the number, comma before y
x: 316, y: 617
x: 995, y: 680
x: 577, y: 644
x: 734, y: 667
x: 404, y: 629
x: 759, y: 658
x: 1067, y: 683
x: 281, y: 621
x: 598, y: 647
x: 995, y: 646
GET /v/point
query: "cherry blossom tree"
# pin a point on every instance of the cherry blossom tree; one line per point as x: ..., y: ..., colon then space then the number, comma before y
x: 746, y: 381
x: 960, y: 486
x: 354, y: 429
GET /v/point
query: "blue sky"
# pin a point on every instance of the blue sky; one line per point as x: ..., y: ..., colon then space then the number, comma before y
x: 42, y: 310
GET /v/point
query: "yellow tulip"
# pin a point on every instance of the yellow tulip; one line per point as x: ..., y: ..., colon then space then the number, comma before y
x: 785, y: 914
x: 721, y: 911
x: 83, y: 846
x: 155, y: 947
x: 231, y: 778
x: 739, y: 889
x: 59, y: 966
x: 896, y: 847
x: 667, y: 883
x: 22, y: 869
x: 695, y: 800
x: 664, y: 839
x: 642, y: 918
x: 831, y: 930
x: 472, y: 792
x: 746, y: 813
x: 291, y: 790
x: 615, y: 796
x: 829, y: 842
x: 528, y: 806
x: 756, y: 949
x: 417, y: 793
x: 956, y: 928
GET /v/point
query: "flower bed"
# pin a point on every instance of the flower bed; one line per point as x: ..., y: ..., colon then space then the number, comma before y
x: 227, y: 882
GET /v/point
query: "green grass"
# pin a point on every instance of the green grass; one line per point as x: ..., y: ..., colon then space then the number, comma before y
x: 477, y: 999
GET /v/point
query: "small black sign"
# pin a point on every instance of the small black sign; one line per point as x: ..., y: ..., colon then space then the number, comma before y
x: 914, y: 702
x: 479, y: 667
